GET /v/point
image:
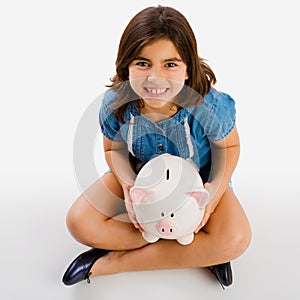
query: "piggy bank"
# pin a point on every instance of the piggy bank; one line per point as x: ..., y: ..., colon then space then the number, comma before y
x: 168, y: 199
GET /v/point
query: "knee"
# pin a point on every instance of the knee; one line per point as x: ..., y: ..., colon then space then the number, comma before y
x: 82, y: 224
x: 236, y: 243
x: 73, y: 220
x: 76, y: 224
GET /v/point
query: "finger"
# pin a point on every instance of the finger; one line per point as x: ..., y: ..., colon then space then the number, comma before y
x: 138, y: 226
x: 141, y: 229
x: 205, y: 219
x: 198, y: 228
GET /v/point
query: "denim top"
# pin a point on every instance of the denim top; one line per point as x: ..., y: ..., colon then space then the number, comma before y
x: 186, y: 134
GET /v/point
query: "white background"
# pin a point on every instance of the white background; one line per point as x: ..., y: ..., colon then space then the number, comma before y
x: 56, y: 57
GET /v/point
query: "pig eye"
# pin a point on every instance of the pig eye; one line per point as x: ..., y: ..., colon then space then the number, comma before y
x: 168, y: 174
x: 172, y: 215
x: 162, y: 214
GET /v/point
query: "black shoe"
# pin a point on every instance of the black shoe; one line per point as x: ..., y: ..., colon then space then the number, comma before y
x: 80, y: 267
x: 223, y: 273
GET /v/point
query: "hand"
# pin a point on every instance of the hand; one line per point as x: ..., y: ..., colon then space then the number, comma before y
x: 129, y: 208
x: 209, y: 209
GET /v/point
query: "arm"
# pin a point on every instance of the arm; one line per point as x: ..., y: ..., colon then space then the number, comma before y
x: 116, y: 155
x: 224, y: 158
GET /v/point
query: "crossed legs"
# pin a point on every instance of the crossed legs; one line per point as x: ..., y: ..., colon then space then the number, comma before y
x: 98, y: 219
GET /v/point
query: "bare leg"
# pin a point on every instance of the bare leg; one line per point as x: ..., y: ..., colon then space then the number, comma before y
x: 226, y: 236
x: 98, y: 217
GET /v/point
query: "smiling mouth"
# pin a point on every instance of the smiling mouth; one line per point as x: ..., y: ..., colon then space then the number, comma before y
x: 156, y: 91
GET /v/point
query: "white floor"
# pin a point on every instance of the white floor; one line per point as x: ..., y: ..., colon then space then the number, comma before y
x: 36, y: 248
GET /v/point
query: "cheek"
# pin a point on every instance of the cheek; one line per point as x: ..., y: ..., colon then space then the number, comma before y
x: 136, y: 79
x: 135, y: 73
x: 132, y: 73
x: 178, y: 77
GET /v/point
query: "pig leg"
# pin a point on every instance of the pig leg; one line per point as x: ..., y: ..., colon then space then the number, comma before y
x: 186, y: 239
x: 150, y: 238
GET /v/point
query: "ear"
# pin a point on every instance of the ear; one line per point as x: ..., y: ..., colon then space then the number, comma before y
x: 186, y: 75
x: 138, y: 194
x: 202, y: 197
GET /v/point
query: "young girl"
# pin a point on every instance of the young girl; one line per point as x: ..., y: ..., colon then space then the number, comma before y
x: 161, y: 101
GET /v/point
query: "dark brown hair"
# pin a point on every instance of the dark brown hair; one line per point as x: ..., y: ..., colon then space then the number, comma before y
x: 152, y: 24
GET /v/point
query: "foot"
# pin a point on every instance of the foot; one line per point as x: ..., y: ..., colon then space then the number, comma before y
x: 81, y: 266
x: 223, y: 273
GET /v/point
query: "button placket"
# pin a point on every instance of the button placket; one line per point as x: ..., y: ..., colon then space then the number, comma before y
x: 160, y: 143
x: 161, y: 147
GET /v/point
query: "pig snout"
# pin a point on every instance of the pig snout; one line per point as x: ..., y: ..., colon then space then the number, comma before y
x: 166, y: 227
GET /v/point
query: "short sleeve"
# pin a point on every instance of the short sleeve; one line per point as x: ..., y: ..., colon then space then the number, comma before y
x: 110, y: 126
x: 219, y: 117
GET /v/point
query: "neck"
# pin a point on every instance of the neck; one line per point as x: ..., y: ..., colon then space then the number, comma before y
x: 159, y: 114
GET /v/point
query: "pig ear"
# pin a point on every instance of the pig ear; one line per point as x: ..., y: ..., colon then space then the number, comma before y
x: 138, y: 194
x: 202, y: 197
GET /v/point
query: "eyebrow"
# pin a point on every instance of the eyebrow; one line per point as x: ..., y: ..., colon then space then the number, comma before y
x: 165, y: 60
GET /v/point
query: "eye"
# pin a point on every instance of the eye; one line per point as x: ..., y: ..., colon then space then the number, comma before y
x: 162, y: 214
x: 171, y: 65
x: 172, y: 215
x: 142, y: 64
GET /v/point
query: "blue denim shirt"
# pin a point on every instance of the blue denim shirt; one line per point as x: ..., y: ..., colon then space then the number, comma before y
x: 186, y: 134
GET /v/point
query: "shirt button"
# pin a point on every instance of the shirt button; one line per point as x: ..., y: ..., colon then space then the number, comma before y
x: 161, y: 147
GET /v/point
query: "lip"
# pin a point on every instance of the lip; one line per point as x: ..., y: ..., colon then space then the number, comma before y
x: 155, y: 92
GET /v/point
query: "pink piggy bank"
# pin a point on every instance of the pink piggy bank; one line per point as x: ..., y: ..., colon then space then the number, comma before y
x: 169, y: 199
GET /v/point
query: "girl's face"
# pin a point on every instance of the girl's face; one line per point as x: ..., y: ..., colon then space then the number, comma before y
x: 158, y: 74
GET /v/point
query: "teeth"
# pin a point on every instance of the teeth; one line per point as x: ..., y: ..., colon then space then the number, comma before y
x: 156, y: 91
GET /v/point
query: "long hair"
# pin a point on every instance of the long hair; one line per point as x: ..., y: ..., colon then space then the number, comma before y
x: 146, y: 27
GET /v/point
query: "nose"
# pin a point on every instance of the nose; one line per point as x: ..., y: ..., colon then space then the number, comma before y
x: 155, y: 74
x: 166, y: 227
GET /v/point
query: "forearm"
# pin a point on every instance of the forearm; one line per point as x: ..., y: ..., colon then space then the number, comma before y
x: 224, y: 161
x: 118, y: 162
